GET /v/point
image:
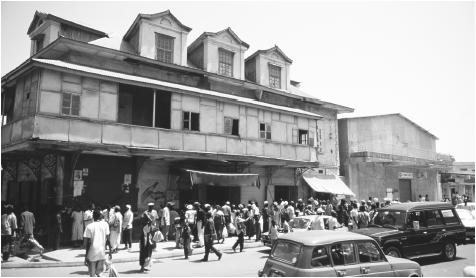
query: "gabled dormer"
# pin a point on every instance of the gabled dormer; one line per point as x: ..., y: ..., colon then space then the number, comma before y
x: 45, y: 28
x: 270, y: 67
x: 221, y: 52
x: 159, y: 36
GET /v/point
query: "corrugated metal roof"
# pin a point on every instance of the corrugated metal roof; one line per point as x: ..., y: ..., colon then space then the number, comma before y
x: 204, y: 92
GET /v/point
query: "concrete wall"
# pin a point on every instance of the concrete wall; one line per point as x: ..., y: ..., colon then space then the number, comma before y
x: 167, y: 26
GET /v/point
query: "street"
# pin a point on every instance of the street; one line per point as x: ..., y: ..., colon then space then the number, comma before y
x: 235, y: 264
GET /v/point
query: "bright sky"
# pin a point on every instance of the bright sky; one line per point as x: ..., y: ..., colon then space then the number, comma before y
x: 413, y: 58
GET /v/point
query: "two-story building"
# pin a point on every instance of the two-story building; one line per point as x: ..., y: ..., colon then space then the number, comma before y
x: 458, y: 180
x: 389, y: 156
x: 147, y: 117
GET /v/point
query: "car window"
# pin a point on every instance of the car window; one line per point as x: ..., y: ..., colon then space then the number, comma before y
x: 343, y: 253
x: 286, y: 251
x: 389, y: 218
x: 299, y: 223
x: 320, y: 257
x: 416, y: 216
x: 433, y: 218
x: 369, y: 252
x: 449, y: 216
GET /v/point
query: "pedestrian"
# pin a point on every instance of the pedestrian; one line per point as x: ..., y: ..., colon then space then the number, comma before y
x: 290, y: 210
x: 165, y: 221
x: 240, y: 232
x: 88, y: 215
x: 363, y: 218
x: 152, y: 214
x: 58, y: 227
x: 273, y: 232
x: 96, y: 237
x: 9, y: 226
x: 250, y: 227
x: 127, y: 228
x: 227, y: 213
x: 146, y: 243
x: 115, y: 223
x: 200, y: 222
x: 265, y: 216
x: 186, y: 237
x: 372, y: 213
x: 178, y: 231
x: 78, y: 228
x: 257, y: 221
x: 275, y: 214
x: 333, y: 223
x: 318, y: 223
x: 209, y: 236
x: 219, y: 222
x: 427, y: 199
x: 27, y: 223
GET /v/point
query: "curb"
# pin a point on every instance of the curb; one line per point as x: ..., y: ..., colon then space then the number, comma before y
x: 120, y: 260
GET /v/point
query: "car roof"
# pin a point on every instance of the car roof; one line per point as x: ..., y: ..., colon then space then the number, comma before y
x: 417, y: 205
x: 467, y: 205
x: 319, y: 237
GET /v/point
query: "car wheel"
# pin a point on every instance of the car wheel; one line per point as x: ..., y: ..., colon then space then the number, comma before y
x: 449, y: 251
x: 393, y: 251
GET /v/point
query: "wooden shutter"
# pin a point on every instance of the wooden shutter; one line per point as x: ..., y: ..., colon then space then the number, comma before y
x: 228, y: 125
x: 195, y: 121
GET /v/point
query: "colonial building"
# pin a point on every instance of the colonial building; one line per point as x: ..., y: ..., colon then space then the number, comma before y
x: 147, y: 118
x: 389, y: 156
x: 458, y: 180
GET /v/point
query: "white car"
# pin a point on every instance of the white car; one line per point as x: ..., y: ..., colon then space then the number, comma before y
x: 468, y: 222
x: 471, y: 207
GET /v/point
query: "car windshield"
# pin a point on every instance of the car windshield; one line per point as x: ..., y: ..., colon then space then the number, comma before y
x: 286, y: 251
x: 390, y: 219
x: 300, y: 223
x: 464, y: 214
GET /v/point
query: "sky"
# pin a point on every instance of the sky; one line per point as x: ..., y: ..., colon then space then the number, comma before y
x: 413, y: 58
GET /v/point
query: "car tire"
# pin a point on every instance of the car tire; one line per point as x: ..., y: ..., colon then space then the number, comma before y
x: 393, y: 251
x: 449, y: 251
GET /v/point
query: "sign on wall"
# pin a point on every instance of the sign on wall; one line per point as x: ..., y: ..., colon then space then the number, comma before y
x: 405, y: 175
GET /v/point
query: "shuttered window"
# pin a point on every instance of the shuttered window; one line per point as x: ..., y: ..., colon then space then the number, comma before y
x: 165, y: 48
x: 71, y: 104
x: 303, y: 137
x: 225, y: 62
x: 232, y: 126
x: 274, y: 76
x: 265, y: 131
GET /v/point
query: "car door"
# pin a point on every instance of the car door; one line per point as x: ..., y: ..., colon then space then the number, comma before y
x: 372, y: 261
x: 320, y: 263
x: 344, y: 259
x: 436, y: 230
x: 414, y: 241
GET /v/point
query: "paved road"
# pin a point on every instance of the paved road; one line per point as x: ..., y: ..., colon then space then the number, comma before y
x: 239, y: 264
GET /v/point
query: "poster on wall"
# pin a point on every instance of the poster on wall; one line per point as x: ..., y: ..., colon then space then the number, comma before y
x: 78, y: 175
x: 85, y: 172
x: 78, y: 188
x: 127, y: 178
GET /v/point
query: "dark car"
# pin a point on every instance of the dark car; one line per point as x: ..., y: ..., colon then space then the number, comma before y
x: 417, y: 229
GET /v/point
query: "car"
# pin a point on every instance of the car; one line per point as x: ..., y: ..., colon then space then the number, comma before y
x: 417, y: 229
x: 298, y: 224
x: 333, y: 253
x: 468, y: 206
x: 468, y: 222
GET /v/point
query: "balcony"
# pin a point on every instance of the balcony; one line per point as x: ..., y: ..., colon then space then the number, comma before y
x: 74, y: 133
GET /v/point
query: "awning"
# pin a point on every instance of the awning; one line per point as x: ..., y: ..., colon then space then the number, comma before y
x: 327, y: 184
x: 223, y: 179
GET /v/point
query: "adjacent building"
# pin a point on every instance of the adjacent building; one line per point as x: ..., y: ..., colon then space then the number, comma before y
x: 458, y: 180
x: 389, y: 156
x: 147, y: 117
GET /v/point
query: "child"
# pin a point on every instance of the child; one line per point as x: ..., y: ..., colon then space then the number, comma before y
x: 186, y: 231
x: 273, y: 232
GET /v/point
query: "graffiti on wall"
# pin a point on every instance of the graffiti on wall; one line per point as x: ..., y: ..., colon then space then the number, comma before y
x: 152, y: 193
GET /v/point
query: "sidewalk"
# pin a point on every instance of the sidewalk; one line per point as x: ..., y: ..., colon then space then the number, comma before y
x: 75, y: 257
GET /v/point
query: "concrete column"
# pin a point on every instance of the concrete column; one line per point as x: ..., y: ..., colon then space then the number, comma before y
x: 59, y: 179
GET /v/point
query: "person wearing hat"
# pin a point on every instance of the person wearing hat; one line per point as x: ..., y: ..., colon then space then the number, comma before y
x: 127, y: 228
x: 115, y: 222
x: 200, y: 221
x: 209, y: 236
x: 146, y: 243
x: 318, y: 223
x: 152, y: 214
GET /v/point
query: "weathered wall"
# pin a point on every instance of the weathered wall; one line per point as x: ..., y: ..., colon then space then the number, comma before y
x: 26, y: 93
x: 153, y: 183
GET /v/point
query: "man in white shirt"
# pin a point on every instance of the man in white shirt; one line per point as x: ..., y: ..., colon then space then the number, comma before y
x: 127, y: 228
x: 319, y: 224
x: 96, y: 235
x: 166, y: 216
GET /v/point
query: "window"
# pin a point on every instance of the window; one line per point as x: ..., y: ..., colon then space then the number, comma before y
x: 39, y: 44
x: 225, y: 62
x: 343, y: 253
x: 231, y: 126
x: 320, y: 257
x: 165, y: 48
x: 369, y: 252
x: 303, y: 137
x: 286, y: 251
x: 418, y: 216
x: 71, y: 104
x: 274, y: 76
x: 191, y: 121
x: 265, y: 131
x: 433, y: 218
x: 449, y: 216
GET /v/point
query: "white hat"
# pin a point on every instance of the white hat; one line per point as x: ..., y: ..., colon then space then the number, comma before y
x: 150, y: 204
x: 207, y: 205
x: 128, y: 206
x: 265, y: 202
x: 189, y: 207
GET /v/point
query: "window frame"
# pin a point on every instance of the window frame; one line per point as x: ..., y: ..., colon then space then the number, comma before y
x: 356, y: 261
x: 158, y: 49
x: 274, y: 77
x: 301, y: 132
x: 223, y: 64
x: 70, y: 109
x: 233, y: 127
x: 263, y: 134
x: 325, y: 247
x: 382, y: 256
x: 188, y: 116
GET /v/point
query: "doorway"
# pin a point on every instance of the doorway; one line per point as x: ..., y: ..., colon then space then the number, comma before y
x: 220, y: 194
x: 405, y: 189
x: 288, y: 193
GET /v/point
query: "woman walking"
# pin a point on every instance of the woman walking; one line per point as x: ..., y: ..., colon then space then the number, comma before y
x: 146, y: 245
x: 77, y: 229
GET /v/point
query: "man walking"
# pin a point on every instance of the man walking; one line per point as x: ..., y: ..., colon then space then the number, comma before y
x: 27, y: 222
x: 210, y: 233
x: 9, y: 226
x: 127, y: 228
x: 96, y: 235
x: 166, y: 223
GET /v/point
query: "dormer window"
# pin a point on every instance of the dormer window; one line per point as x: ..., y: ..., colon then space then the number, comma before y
x: 165, y: 48
x: 274, y: 76
x: 225, y: 62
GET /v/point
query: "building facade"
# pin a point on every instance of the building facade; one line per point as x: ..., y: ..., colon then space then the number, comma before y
x: 389, y: 156
x: 142, y: 118
x: 458, y: 180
